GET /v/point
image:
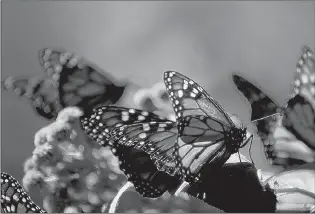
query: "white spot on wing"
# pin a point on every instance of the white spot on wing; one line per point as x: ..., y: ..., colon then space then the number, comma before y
x: 142, y: 135
x: 180, y: 93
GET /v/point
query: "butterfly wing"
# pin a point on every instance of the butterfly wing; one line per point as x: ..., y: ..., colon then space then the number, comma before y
x: 142, y: 172
x: 261, y: 107
x: 135, y: 163
x: 155, y: 138
x: 299, y: 117
x: 261, y: 104
x: 202, y: 125
x: 188, y: 98
x: 305, y: 72
x: 14, y: 199
x: 81, y: 83
x: 207, y: 144
x: 41, y: 92
x: 102, y: 120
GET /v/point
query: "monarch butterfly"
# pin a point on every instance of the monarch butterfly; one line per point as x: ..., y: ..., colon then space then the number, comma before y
x: 69, y: 81
x: 141, y: 165
x: 14, y: 199
x: 134, y: 161
x: 206, y: 133
x: 267, y: 115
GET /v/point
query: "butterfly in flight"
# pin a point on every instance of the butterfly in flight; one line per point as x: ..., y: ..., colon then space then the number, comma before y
x: 14, y: 199
x: 297, y: 116
x: 137, y: 161
x: 206, y: 134
x: 69, y: 81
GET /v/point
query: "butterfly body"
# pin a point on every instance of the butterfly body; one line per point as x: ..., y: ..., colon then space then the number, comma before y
x: 234, y: 138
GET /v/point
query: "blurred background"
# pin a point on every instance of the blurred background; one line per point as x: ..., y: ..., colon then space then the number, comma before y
x: 138, y: 41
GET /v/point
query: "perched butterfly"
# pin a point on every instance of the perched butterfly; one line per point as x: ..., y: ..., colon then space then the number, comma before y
x: 69, y: 81
x: 266, y: 114
x: 303, y: 127
x: 135, y: 161
x: 206, y: 133
x: 14, y: 199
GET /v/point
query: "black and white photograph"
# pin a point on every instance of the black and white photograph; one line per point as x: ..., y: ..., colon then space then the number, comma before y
x: 157, y: 106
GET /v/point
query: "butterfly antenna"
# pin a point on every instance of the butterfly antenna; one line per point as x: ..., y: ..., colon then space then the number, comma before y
x: 184, y: 186
x: 239, y: 156
x: 265, y: 117
x: 114, y: 204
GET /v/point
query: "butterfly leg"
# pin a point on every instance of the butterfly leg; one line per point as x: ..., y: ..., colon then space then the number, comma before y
x: 247, y: 141
x: 250, y: 139
x: 182, y: 188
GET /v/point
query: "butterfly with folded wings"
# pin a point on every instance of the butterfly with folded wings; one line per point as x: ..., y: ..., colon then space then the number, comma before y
x: 298, y: 116
x: 69, y: 81
x: 14, y: 199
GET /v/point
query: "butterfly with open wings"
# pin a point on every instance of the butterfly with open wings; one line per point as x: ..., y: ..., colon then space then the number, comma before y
x: 69, y: 81
x: 14, y: 199
x: 298, y: 116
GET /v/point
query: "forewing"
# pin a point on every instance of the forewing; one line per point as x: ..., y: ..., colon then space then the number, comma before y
x: 188, y: 98
x: 261, y: 105
x: 154, y: 138
x: 102, y: 120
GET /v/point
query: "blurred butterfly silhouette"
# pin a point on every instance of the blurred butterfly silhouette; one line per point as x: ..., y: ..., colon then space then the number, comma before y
x: 297, y: 116
x: 69, y: 81
x: 206, y: 134
x: 138, y: 160
x: 14, y: 199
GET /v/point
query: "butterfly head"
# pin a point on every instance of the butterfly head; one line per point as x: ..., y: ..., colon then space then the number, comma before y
x: 236, y: 137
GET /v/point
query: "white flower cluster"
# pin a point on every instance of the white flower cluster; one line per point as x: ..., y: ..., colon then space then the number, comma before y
x: 74, y: 174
